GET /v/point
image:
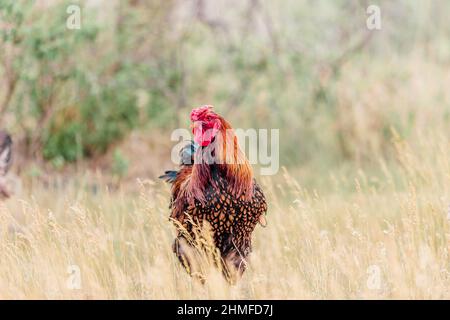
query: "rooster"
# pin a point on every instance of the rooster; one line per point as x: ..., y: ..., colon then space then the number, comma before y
x: 5, y: 163
x: 215, y: 184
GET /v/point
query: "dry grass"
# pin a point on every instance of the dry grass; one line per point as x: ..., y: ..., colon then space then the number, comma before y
x: 315, y: 245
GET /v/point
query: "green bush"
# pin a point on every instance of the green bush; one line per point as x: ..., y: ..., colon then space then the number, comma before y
x: 68, y: 105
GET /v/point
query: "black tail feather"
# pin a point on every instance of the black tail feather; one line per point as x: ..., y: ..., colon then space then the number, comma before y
x: 169, y: 176
x: 186, y: 159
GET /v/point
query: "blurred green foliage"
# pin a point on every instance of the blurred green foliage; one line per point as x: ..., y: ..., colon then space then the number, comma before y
x: 59, y: 102
x: 308, y: 67
x: 120, y: 164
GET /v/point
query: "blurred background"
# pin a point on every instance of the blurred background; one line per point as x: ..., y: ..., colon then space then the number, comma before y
x: 364, y: 119
x: 106, y: 97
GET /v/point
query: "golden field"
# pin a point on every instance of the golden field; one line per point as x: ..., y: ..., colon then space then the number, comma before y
x: 315, y: 245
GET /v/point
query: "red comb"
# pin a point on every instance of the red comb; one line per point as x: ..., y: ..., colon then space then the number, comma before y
x: 200, y: 112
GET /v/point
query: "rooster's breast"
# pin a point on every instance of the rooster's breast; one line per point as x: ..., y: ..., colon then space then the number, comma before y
x: 231, y: 217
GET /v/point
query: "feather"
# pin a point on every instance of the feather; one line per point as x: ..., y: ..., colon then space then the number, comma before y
x: 169, y: 176
x: 187, y: 153
x: 186, y: 159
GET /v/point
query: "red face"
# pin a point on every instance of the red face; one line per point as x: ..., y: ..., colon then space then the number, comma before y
x: 205, y: 125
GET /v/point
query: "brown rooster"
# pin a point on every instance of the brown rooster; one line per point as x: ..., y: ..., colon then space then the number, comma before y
x: 215, y: 184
